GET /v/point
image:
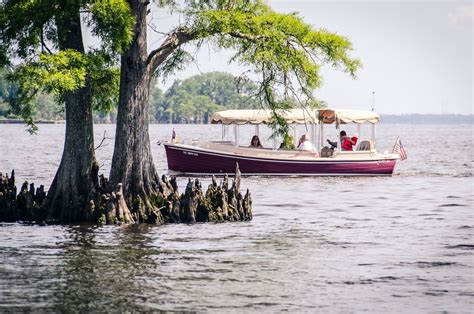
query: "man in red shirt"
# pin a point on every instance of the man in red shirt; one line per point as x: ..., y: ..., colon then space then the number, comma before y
x: 347, y: 143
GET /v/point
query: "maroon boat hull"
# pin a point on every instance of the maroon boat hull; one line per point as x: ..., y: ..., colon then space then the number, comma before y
x: 195, y: 161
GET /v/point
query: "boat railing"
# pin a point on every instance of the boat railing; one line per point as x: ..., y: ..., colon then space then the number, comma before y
x: 222, y: 142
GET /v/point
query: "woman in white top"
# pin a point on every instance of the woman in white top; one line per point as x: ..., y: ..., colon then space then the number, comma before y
x: 305, y: 143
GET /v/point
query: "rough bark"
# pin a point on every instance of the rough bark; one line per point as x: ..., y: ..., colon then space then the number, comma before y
x: 132, y: 161
x: 21, y: 207
x: 74, y: 193
x: 75, y: 177
x: 103, y: 207
x: 220, y: 202
x: 150, y: 199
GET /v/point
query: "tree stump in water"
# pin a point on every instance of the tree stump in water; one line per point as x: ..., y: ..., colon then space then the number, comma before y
x: 219, y: 203
x: 22, y: 207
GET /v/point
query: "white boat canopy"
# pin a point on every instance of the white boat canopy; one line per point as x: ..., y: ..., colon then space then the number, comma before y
x: 263, y: 116
x: 344, y: 116
x: 298, y: 116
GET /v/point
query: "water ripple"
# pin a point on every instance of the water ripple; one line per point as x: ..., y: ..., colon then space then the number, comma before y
x: 314, y: 245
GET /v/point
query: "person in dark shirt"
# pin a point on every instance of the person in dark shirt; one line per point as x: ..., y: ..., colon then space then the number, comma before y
x: 255, y: 142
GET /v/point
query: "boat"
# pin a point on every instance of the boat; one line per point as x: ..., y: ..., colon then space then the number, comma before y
x: 221, y: 157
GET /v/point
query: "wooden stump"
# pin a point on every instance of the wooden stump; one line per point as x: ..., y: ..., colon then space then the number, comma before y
x: 219, y: 203
x: 107, y: 205
x: 22, y: 207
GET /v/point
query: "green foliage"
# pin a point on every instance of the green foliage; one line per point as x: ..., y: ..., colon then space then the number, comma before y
x: 285, y: 52
x: 56, y: 74
x: 288, y: 142
x: 190, y: 100
x: 44, y: 104
x: 30, y: 32
x: 156, y: 107
x: 8, y: 90
x: 25, y: 28
x: 194, y: 99
x: 112, y: 21
x: 280, y: 47
x: 104, y: 80
x: 177, y: 61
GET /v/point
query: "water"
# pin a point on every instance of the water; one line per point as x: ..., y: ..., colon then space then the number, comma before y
x: 403, y: 243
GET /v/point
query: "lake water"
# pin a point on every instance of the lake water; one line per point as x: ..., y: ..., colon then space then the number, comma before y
x: 396, y: 244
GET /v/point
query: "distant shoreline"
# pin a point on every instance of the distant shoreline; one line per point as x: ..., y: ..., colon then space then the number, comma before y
x: 427, y: 118
x: 20, y: 121
x: 384, y: 118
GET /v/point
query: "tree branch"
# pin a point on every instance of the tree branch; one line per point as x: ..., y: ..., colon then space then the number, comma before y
x: 153, y: 28
x: 179, y: 37
x: 246, y: 36
x: 175, y: 39
x: 104, y: 137
x: 43, y: 44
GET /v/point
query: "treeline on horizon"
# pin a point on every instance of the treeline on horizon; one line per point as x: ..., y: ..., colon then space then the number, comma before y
x: 194, y: 99
x: 418, y: 118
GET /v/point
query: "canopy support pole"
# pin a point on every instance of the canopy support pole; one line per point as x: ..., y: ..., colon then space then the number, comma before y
x: 321, y: 135
x: 313, y: 135
x: 358, y: 132
x: 338, y: 137
x: 373, y: 135
x: 223, y: 132
x: 295, y: 140
x: 257, y: 130
x: 236, y: 135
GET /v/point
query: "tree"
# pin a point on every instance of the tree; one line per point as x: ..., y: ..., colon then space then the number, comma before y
x: 46, y: 36
x: 282, y: 49
x: 205, y: 93
x: 157, y: 108
x: 7, y: 91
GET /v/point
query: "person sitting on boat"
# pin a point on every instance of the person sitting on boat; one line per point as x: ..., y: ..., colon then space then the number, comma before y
x: 347, y: 143
x: 305, y: 143
x: 255, y: 142
x: 342, y: 135
x: 288, y: 142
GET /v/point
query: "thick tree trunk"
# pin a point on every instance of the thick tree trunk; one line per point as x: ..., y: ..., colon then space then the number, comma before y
x: 132, y: 162
x: 150, y: 198
x: 75, y: 181
x: 77, y: 171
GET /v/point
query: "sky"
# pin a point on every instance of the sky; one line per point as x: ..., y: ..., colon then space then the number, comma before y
x: 416, y: 55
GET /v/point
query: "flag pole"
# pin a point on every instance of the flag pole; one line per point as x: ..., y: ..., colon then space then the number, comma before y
x: 394, y: 145
x: 373, y: 100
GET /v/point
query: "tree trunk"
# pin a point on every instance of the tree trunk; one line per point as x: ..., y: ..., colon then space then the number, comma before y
x: 77, y: 173
x: 132, y: 162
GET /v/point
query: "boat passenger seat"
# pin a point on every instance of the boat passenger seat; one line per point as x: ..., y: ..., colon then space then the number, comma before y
x: 365, y: 145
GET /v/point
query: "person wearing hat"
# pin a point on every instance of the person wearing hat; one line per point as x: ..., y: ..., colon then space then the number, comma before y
x: 305, y: 143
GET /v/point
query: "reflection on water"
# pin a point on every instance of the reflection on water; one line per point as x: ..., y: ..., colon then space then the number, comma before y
x: 97, y: 266
x: 330, y: 244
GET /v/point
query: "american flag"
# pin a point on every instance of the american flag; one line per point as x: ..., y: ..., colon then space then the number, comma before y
x: 398, y: 148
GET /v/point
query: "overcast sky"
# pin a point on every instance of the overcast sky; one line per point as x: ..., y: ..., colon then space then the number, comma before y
x: 417, y: 56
